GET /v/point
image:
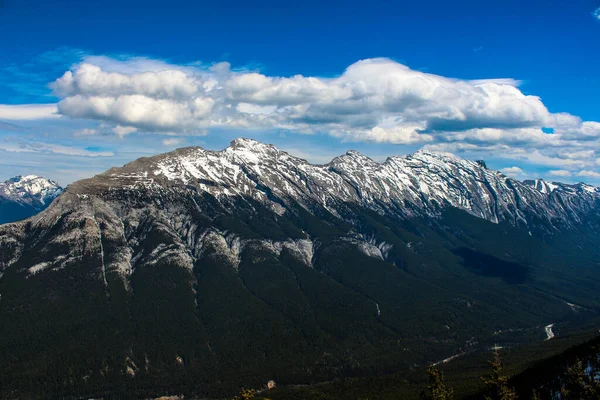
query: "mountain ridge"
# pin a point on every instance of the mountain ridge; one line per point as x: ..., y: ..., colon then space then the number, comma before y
x: 427, y: 180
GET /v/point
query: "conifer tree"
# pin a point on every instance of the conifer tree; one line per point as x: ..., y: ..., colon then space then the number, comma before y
x: 580, y: 384
x: 246, y: 394
x: 497, y: 382
x: 436, y: 390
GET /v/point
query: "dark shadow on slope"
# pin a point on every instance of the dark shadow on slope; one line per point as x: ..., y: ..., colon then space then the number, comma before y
x: 13, y: 211
x: 487, y: 265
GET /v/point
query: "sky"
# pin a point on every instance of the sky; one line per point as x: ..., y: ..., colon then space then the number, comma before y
x: 85, y: 86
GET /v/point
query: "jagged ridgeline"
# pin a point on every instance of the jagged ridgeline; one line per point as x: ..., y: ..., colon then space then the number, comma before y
x: 200, y: 272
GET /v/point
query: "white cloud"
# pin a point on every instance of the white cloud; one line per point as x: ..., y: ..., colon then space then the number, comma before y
x: 560, y: 172
x: 91, y: 80
x: 596, y: 13
x: 396, y: 134
x: 522, y: 152
x: 139, y: 111
x: 248, y: 108
x: 577, y: 154
x: 123, y: 130
x: 129, y: 64
x: 172, y: 142
x: 372, y: 100
x: 499, y: 81
x: 537, y: 157
x: 39, y: 147
x: 589, y: 174
x: 85, y: 132
x: 514, y: 172
x: 24, y: 112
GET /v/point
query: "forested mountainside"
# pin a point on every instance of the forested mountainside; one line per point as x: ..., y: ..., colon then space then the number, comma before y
x: 199, y: 272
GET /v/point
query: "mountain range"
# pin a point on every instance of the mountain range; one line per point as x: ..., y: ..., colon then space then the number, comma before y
x: 208, y: 270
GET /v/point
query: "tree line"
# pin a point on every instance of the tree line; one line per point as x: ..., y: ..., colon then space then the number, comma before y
x: 571, y: 375
x: 576, y: 380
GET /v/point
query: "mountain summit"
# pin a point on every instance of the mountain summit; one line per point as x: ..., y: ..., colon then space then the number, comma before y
x: 24, y: 196
x: 211, y: 270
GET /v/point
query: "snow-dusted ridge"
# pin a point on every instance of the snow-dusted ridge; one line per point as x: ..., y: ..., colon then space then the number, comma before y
x: 419, y: 184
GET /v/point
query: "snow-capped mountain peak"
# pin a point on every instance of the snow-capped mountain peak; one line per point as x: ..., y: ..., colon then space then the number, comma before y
x: 251, y: 149
x: 30, y: 189
x: 24, y: 196
x: 543, y: 186
x: 574, y: 189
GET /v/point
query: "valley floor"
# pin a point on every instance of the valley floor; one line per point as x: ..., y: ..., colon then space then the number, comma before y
x: 462, y: 374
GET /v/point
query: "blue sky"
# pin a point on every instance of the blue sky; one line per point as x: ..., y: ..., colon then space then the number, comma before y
x: 478, y: 78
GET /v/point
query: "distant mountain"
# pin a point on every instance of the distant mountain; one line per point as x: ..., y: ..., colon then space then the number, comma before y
x: 24, y: 196
x: 200, y: 271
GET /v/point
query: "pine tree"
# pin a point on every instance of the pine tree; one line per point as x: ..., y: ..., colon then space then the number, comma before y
x: 497, y: 382
x: 246, y: 394
x: 580, y: 384
x: 436, y: 390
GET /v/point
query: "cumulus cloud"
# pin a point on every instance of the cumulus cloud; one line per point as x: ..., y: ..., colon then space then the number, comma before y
x: 596, y: 13
x: 123, y: 130
x: 560, y: 172
x: 589, y: 174
x: 138, y: 111
x: 91, y: 80
x: 514, y: 172
x: 172, y: 142
x: 25, y: 112
x: 375, y: 100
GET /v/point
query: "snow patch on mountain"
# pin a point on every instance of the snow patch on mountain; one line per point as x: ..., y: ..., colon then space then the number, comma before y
x: 230, y: 247
x: 370, y: 247
x: 39, y: 267
x: 549, y: 333
x: 303, y: 249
